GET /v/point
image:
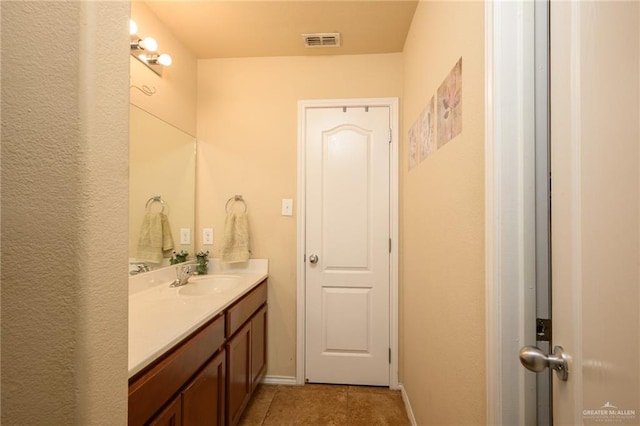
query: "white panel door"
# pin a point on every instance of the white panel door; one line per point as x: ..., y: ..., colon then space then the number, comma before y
x: 347, y: 245
x: 595, y: 157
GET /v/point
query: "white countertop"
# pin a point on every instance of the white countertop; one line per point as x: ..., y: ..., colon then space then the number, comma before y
x: 160, y: 317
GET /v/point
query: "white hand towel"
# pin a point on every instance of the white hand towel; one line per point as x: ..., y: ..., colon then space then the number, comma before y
x: 155, y: 239
x: 235, y: 241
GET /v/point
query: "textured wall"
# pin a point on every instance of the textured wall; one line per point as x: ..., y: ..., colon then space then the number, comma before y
x: 247, y: 144
x: 442, y: 225
x: 64, y: 212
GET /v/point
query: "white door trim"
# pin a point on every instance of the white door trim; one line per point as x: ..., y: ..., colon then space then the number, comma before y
x: 392, y: 103
x: 509, y: 209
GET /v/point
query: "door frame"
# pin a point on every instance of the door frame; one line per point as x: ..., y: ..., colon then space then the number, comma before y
x: 394, y: 157
x: 509, y: 209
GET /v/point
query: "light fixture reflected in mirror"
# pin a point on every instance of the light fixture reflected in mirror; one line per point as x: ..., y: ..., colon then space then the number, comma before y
x: 133, y: 27
x: 162, y: 59
x: 148, y: 43
x: 144, y: 50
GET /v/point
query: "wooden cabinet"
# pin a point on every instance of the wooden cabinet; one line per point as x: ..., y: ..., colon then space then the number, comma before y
x: 203, y: 400
x: 170, y: 416
x: 209, y: 378
x: 152, y: 389
x: 246, y: 351
x: 241, y: 311
x: 239, y: 378
x: 258, y: 346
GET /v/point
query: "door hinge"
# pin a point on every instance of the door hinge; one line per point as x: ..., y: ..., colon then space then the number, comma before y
x: 304, y: 258
x: 390, y: 135
x: 389, y: 355
x: 389, y: 245
x: 543, y: 330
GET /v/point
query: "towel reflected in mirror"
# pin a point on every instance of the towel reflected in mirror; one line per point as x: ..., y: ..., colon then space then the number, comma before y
x: 155, y: 241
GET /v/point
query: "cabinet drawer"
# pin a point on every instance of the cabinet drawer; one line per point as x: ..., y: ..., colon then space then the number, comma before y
x: 239, y: 313
x: 154, y: 388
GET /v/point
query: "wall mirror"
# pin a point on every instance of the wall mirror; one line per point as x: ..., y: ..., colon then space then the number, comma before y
x: 162, y: 163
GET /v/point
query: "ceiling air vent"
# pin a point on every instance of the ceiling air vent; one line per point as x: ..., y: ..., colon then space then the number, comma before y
x: 322, y: 40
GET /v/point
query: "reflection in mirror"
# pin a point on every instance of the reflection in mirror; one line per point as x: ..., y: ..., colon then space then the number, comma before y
x: 162, y: 163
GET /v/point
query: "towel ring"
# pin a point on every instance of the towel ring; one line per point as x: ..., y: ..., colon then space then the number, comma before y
x: 155, y: 199
x: 236, y: 198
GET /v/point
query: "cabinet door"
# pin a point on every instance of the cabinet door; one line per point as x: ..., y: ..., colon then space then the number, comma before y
x: 258, y: 346
x: 203, y: 398
x: 170, y: 416
x: 154, y: 388
x: 239, y: 373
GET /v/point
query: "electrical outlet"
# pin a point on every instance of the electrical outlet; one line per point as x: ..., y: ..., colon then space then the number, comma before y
x: 185, y: 236
x: 207, y: 236
x: 287, y: 207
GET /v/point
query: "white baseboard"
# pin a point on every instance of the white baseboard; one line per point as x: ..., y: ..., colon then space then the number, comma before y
x: 407, y: 405
x: 279, y: 380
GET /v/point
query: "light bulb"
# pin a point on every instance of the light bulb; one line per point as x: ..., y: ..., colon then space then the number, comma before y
x: 133, y: 27
x: 150, y: 44
x: 165, y: 60
x: 143, y: 57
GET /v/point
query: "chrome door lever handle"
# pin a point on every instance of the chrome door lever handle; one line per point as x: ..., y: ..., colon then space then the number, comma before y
x: 533, y: 359
x: 313, y: 258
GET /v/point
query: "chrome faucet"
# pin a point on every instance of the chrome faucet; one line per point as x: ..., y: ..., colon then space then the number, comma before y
x: 183, y: 273
x: 141, y: 267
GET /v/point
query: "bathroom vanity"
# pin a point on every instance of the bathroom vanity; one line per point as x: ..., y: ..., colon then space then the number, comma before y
x: 196, y: 352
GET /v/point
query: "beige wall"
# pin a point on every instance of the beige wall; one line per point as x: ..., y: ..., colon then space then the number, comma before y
x: 64, y: 213
x: 247, y: 142
x: 442, y: 225
x: 176, y: 91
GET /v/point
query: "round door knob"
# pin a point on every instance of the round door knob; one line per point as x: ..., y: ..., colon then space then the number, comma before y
x: 532, y: 358
x: 313, y: 258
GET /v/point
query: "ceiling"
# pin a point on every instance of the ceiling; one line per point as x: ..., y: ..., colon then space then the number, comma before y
x: 240, y: 28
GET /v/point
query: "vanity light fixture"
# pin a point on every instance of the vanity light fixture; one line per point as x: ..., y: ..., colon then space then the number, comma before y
x: 145, y: 50
x: 154, y: 59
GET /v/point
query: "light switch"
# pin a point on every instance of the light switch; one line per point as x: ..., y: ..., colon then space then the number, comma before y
x: 287, y: 207
x: 207, y: 236
x: 185, y: 236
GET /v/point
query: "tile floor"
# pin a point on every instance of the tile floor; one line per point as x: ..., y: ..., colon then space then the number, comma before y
x: 317, y: 405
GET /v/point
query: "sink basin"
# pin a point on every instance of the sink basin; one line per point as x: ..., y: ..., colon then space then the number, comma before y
x: 210, y: 285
